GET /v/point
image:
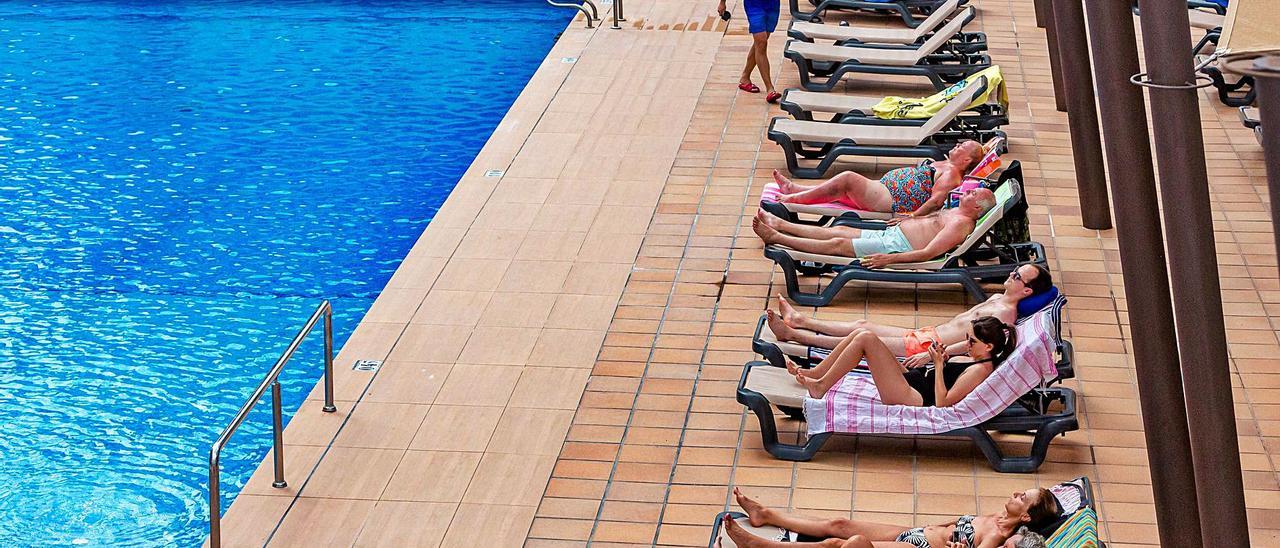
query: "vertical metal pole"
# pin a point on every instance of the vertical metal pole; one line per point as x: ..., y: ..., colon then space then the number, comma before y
x: 1146, y: 278
x: 329, y: 407
x: 1041, y: 6
x: 215, y: 503
x: 1268, y: 87
x: 617, y: 5
x: 616, y: 16
x: 1086, y: 145
x: 277, y: 432
x: 1055, y: 69
x: 1193, y: 265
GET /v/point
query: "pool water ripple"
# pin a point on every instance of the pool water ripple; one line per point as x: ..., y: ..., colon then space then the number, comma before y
x: 180, y: 184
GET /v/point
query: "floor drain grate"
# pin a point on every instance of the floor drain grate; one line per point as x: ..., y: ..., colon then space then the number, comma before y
x: 367, y: 365
x: 494, y: 173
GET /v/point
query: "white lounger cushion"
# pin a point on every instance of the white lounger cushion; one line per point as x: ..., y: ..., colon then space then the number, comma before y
x: 877, y: 35
x: 904, y: 57
x: 835, y: 103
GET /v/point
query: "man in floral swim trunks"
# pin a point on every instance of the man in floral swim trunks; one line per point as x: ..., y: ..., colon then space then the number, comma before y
x: 912, y: 191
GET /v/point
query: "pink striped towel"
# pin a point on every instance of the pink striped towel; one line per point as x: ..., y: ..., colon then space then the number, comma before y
x: 853, y: 406
x: 771, y: 194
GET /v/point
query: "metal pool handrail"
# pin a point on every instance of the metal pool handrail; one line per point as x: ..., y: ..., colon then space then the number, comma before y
x: 590, y: 15
x: 325, y: 310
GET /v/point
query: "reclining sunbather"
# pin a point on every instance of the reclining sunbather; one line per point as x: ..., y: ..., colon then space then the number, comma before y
x: 1028, y: 280
x: 913, y: 191
x: 995, y: 530
x: 988, y: 342
x: 905, y: 240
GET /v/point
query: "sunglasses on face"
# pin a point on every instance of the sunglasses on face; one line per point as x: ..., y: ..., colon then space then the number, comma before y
x: 1016, y: 275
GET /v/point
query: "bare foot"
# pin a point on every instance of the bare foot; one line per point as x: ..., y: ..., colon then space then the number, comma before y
x: 767, y: 233
x: 789, y: 314
x: 785, y: 186
x: 779, y: 327
x: 738, y: 535
x: 813, y: 386
x: 757, y: 514
x: 770, y: 219
x: 793, y: 368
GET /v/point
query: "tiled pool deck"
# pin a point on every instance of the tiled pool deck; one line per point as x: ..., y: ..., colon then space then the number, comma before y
x: 563, y: 343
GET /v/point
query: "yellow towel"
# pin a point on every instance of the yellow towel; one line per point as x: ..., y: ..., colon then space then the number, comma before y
x: 893, y: 107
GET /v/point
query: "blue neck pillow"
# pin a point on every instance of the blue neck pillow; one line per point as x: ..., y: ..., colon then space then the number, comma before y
x: 1036, y: 303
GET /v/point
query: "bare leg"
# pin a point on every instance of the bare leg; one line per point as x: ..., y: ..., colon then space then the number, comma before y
x: 886, y: 373
x: 848, y: 185
x: 744, y: 539
x: 760, y: 46
x: 787, y: 186
x: 832, y: 246
x: 847, y: 355
x: 807, y: 231
x: 759, y: 515
x: 750, y: 66
x: 785, y: 332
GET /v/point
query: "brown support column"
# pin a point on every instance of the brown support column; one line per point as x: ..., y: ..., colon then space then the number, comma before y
x: 1055, y: 70
x: 1086, y: 145
x: 1193, y: 266
x: 1146, y: 279
x: 1041, y: 7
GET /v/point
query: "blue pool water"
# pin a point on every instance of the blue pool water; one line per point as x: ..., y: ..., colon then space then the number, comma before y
x: 181, y: 183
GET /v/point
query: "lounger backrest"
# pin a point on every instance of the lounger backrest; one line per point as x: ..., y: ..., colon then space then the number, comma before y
x: 937, y: 17
x: 947, y: 31
x: 954, y: 107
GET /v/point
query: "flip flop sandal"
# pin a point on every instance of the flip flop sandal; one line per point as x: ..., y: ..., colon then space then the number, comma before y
x: 749, y: 87
x: 773, y: 97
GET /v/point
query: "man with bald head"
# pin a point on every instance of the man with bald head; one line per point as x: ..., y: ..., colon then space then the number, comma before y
x: 905, y: 240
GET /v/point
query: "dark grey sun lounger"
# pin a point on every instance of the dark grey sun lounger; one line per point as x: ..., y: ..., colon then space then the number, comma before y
x: 1251, y: 118
x: 977, y: 259
x: 1041, y: 410
x: 909, y: 10
x: 777, y: 352
x: 827, y: 142
x: 1073, y: 496
x: 822, y: 66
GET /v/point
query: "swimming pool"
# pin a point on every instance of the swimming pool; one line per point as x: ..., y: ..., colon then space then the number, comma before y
x: 180, y: 185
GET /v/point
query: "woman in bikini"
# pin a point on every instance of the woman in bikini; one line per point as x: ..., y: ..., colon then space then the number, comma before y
x: 990, y: 341
x: 911, y: 191
x: 1033, y: 507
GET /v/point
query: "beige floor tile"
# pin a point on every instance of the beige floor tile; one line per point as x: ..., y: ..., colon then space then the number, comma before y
x: 299, y: 461
x: 500, y: 345
x: 369, y: 341
x: 549, y: 388
x: 432, y: 476
x: 353, y: 473
x: 456, y: 428
x: 529, y: 276
x: 444, y: 307
x: 588, y: 312
x: 251, y: 519
x: 407, y: 382
x: 472, y: 274
x: 323, y: 522
x: 395, y: 305
x: 517, y: 310
x: 430, y: 343
x: 382, y: 425
x: 510, y: 479
x: 484, y: 385
x: 417, y: 272
x: 406, y: 524
x: 567, y: 347
x: 531, y: 431
x: 310, y: 425
x: 488, y: 525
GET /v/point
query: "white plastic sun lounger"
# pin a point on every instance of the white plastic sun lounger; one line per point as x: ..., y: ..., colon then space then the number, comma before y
x: 874, y: 35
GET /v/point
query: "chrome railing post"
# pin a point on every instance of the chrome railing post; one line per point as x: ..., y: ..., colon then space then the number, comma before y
x: 215, y: 501
x: 591, y: 15
x: 328, y: 359
x: 616, y: 12
x: 277, y: 434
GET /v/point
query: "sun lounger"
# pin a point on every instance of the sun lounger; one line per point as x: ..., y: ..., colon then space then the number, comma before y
x: 909, y: 10
x: 999, y: 403
x: 976, y: 259
x: 1073, y: 497
x: 777, y: 352
x: 826, y: 142
x: 839, y: 107
x: 930, y: 59
x: 1252, y: 119
x: 849, y: 35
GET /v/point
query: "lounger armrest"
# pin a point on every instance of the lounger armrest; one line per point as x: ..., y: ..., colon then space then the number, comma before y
x: 874, y: 121
x: 862, y: 224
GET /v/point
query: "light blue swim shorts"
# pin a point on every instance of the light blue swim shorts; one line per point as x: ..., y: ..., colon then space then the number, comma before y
x: 889, y: 240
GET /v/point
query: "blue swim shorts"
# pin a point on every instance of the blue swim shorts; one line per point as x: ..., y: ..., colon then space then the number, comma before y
x: 762, y: 15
